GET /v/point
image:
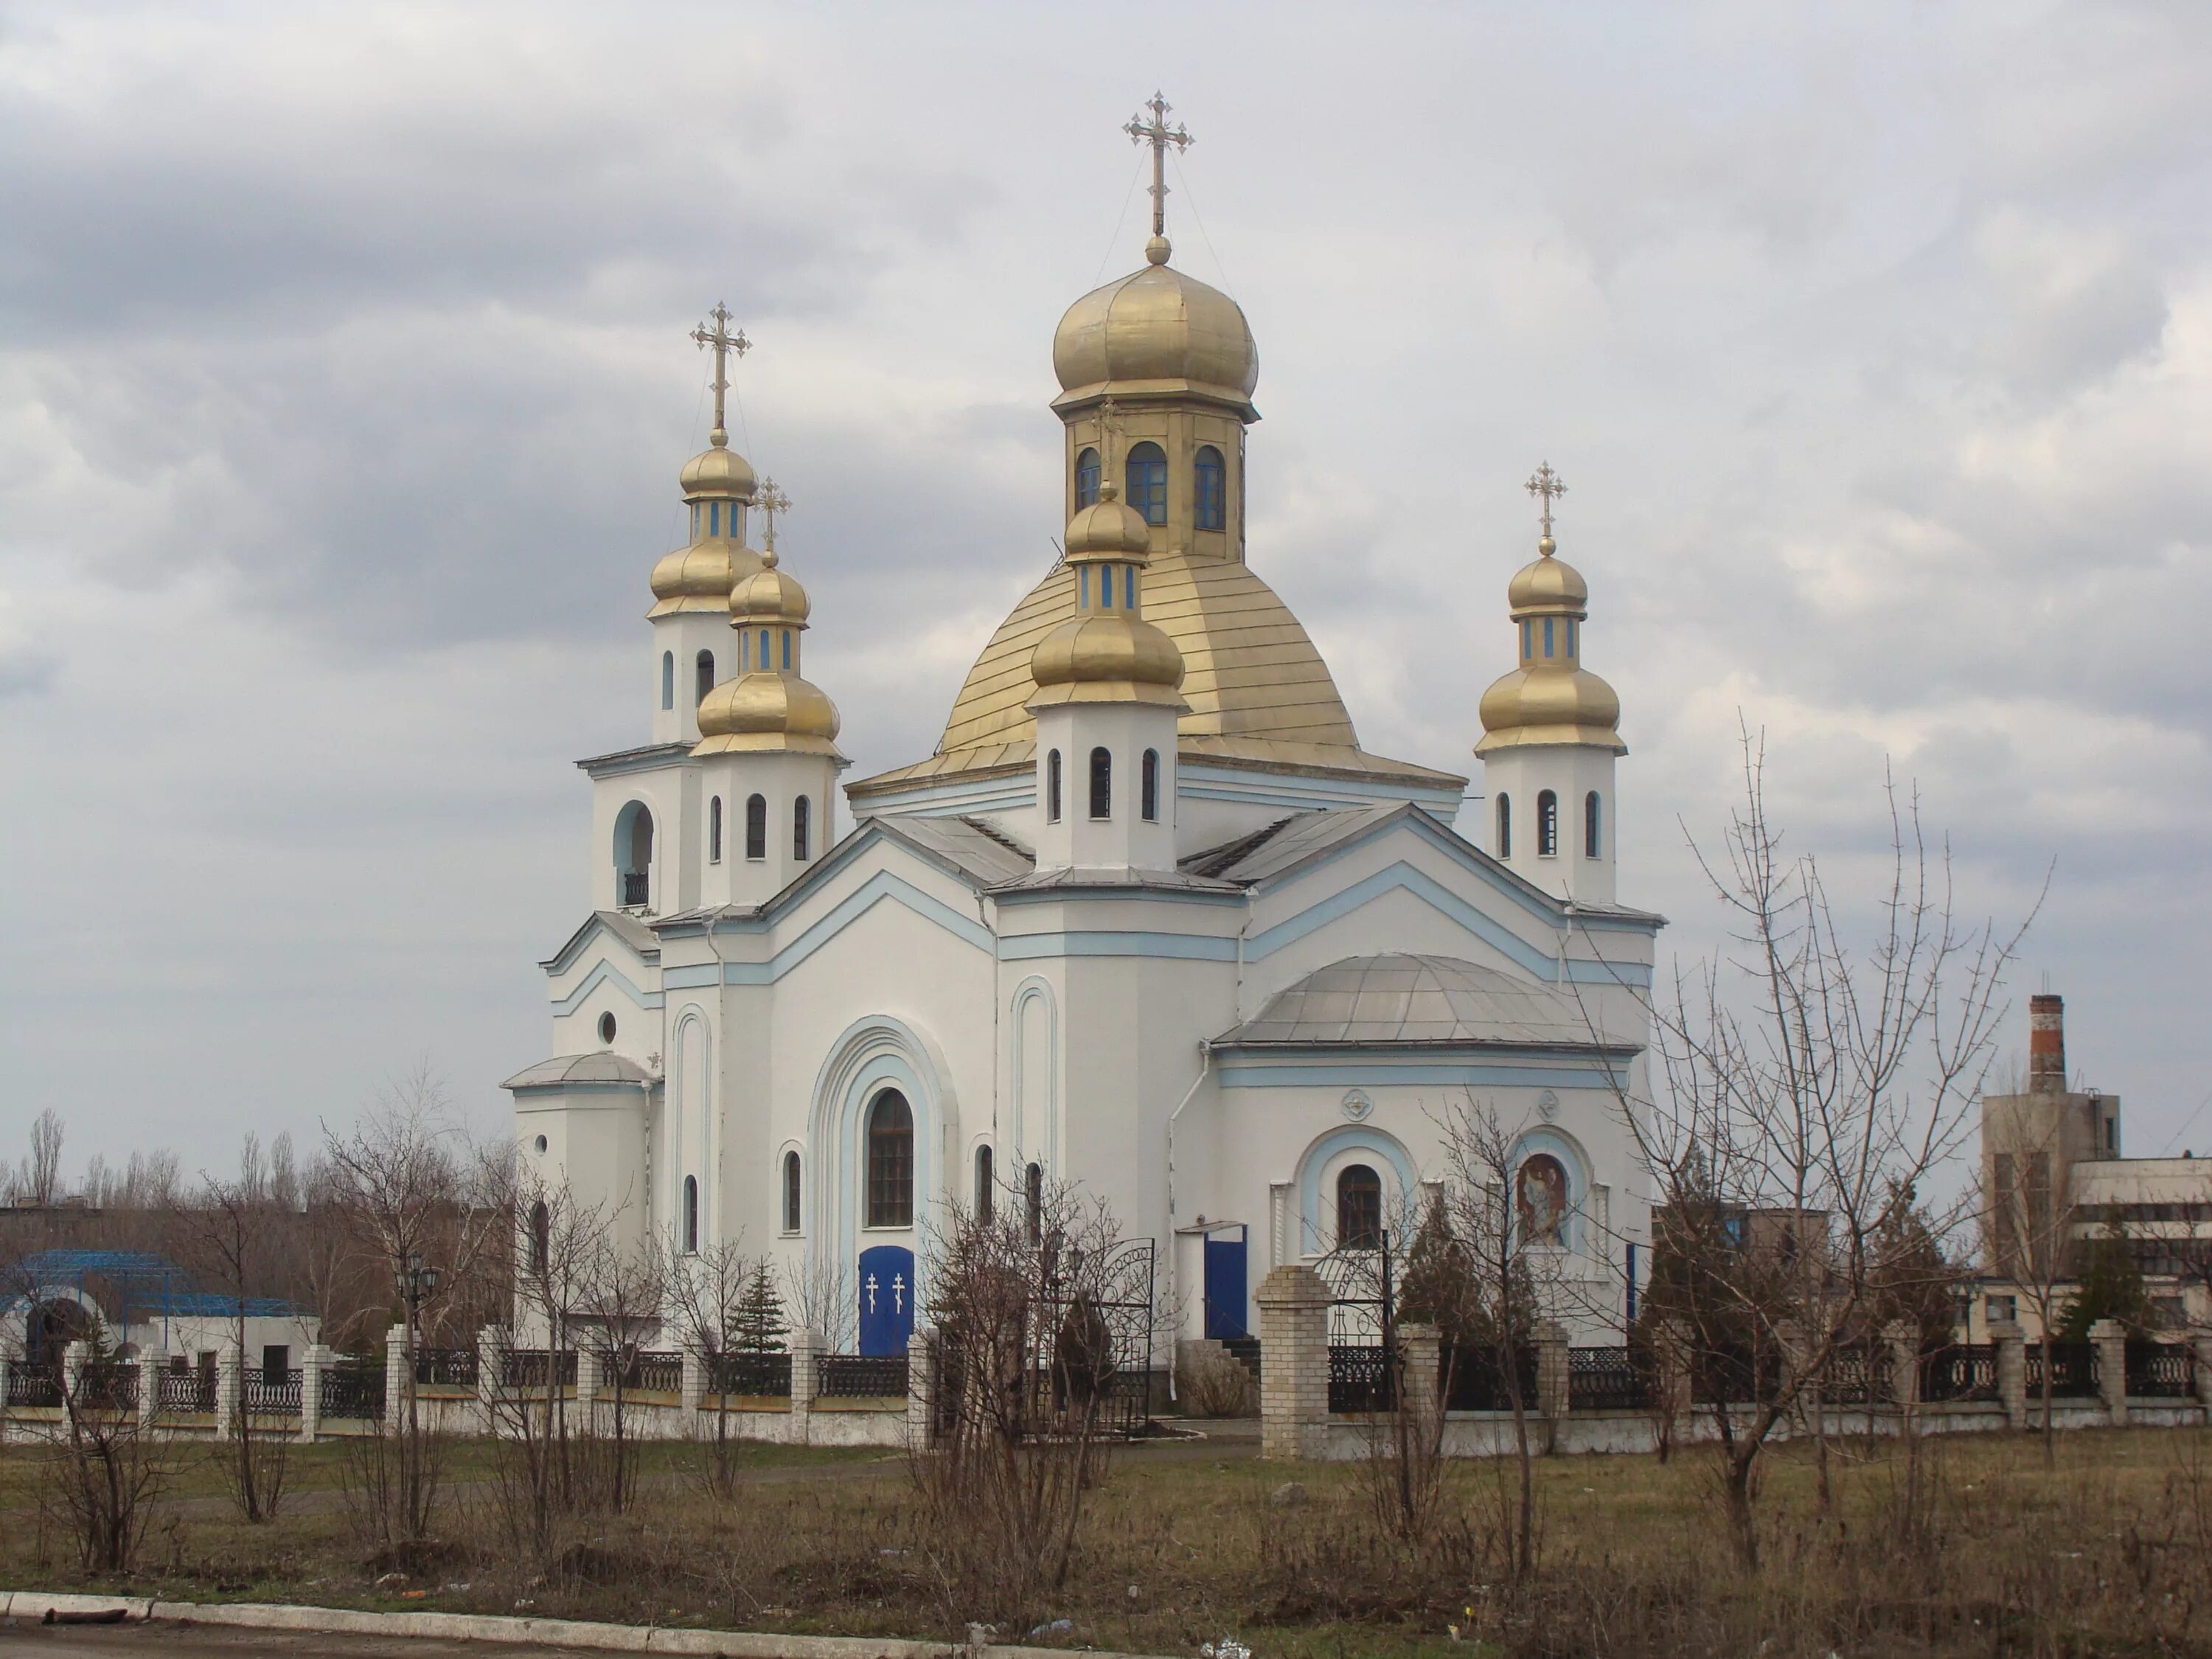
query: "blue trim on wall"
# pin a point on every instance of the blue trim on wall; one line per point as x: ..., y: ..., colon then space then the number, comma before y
x: 603, y: 973
x: 1181, y: 947
x: 1353, y: 1137
x: 1381, y: 1072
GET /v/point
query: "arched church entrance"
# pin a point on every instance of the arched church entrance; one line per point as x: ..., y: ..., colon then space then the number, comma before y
x: 886, y: 1299
x: 53, y: 1327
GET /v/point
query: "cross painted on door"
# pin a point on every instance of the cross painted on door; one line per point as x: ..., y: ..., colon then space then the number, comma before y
x: 886, y: 1299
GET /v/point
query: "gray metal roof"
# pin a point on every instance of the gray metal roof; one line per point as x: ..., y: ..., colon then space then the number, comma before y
x: 1422, y: 1000
x: 600, y: 1066
x: 983, y: 854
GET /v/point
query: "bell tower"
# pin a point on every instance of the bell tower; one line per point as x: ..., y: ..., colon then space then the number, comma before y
x: 1549, y: 738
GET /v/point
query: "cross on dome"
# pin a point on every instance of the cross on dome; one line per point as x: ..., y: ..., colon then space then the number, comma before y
x: 723, y: 343
x: 1548, y: 487
x: 769, y: 502
x: 1160, y: 135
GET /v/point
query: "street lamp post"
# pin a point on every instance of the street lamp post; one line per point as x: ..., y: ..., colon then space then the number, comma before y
x: 416, y: 1283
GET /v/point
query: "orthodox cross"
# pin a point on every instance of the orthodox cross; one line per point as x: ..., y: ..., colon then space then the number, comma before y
x: 724, y: 342
x: 1546, y: 487
x: 1160, y: 135
x: 770, y: 502
x: 1109, y: 431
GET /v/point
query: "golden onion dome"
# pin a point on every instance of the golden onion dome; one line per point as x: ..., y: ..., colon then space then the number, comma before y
x: 763, y: 710
x: 1104, y: 657
x: 770, y: 595
x: 1109, y: 528
x: 718, y: 471
x: 1158, y: 326
x: 1548, y: 586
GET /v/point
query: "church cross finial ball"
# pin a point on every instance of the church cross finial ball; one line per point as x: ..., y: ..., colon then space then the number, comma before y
x: 723, y: 344
x: 1160, y: 135
x: 1546, y: 487
x: 770, y: 502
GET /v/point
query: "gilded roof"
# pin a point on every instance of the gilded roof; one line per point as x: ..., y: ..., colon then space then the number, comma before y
x: 1255, y: 687
x: 1156, y: 325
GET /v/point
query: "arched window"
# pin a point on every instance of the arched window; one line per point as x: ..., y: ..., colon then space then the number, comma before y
x: 634, y: 855
x: 987, y: 1194
x: 1148, y: 482
x: 756, y: 826
x: 691, y: 1215
x: 802, y: 829
x: 1540, y: 1200
x: 1358, y: 1209
x: 890, y: 1161
x: 790, y: 1192
x: 1505, y: 826
x: 1547, y: 824
x: 1149, y: 785
x: 1086, y: 478
x: 1102, y: 783
x: 1033, y: 1196
x: 1590, y: 810
x: 1052, y: 787
x: 713, y: 518
x: 1209, y: 496
x: 668, y: 679
x: 715, y: 830
x: 705, y: 666
x: 541, y: 1232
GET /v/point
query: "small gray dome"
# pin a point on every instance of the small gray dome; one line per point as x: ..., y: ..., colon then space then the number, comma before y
x: 1423, y: 999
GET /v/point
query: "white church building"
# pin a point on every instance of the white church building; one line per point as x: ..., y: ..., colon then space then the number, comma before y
x: 1149, y: 921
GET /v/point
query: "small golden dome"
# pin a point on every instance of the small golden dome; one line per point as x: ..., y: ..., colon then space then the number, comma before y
x: 718, y: 470
x: 1549, y: 586
x: 1550, y: 705
x: 1107, y: 656
x: 763, y: 710
x: 1156, y: 325
x: 1109, y: 527
x: 770, y: 595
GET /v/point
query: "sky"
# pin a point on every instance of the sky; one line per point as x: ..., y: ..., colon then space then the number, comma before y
x: 344, y: 381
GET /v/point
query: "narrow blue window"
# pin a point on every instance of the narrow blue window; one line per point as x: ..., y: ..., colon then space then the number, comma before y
x: 1205, y: 477
x: 1129, y: 588
x: 1086, y: 478
x: 1547, y: 637
x: 764, y: 656
x: 1526, y: 647
x: 786, y: 650
x: 1105, y: 588
x: 1083, y: 588
x: 695, y: 521
x: 713, y: 518
x: 668, y: 679
x: 1570, y: 636
x: 1148, y: 482
x: 745, y: 653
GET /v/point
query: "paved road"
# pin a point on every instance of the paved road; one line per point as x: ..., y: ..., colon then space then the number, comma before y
x: 177, y: 1641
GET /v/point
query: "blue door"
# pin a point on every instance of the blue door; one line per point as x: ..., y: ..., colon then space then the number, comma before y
x: 1224, y: 1286
x: 886, y: 1299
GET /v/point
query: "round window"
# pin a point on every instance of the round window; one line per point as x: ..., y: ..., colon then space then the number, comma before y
x: 541, y: 1142
x: 606, y: 1028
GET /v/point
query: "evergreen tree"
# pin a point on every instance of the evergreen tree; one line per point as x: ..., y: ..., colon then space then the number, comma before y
x: 2112, y: 1287
x: 758, y: 1324
x: 1436, y: 1286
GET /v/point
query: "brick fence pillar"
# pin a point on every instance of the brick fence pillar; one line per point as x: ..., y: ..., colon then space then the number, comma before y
x: 398, y: 1371
x: 805, y: 1374
x: 1294, y: 1305
x: 74, y: 1358
x: 311, y: 1391
x: 2202, y: 1345
x: 1554, y: 1392
x: 692, y: 1398
x: 150, y: 1365
x: 589, y: 1375
x: 2111, y: 1339
x: 230, y: 1390
x: 2011, y: 1344
x: 921, y: 1389
x: 1901, y: 1338
x: 1421, y: 1374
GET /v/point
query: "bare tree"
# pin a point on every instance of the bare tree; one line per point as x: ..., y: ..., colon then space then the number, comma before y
x: 625, y: 1291
x: 1808, y: 1085
x: 41, y: 1179
x: 820, y: 1294
x: 706, y: 1293
x: 109, y: 1475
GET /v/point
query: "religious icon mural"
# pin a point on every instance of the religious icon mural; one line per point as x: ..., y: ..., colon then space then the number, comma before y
x: 1540, y: 1200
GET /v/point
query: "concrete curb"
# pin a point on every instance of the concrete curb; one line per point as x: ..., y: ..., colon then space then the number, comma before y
x: 32, y: 1605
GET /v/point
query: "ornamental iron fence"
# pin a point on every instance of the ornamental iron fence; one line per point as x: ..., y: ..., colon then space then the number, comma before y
x: 273, y: 1391
x: 35, y: 1383
x: 2161, y: 1371
x: 109, y: 1385
x: 1959, y: 1371
x: 354, y: 1391
x: 189, y: 1390
x: 1475, y: 1381
x: 1734, y: 1376
x: 861, y: 1376
x: 1609, y: 1379
x: 647, y: 1371
x: 447, y: 1368
x: 755, y: 1373
x: 1857, y: 1375
x: 2073, y: 1367
x: 535, y: 1368
x: 1362, y: 1378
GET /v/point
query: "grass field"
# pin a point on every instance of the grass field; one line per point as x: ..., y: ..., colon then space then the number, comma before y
x: 1963, y: 1546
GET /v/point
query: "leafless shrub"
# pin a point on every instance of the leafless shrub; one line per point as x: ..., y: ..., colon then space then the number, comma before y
x: 108, y: 1474
x: 1214, y: 1385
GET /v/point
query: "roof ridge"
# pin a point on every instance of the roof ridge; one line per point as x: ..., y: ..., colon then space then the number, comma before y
x: 1212, y: 861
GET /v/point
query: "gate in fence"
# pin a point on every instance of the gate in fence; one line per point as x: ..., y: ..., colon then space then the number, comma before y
x: 1363, y: 1326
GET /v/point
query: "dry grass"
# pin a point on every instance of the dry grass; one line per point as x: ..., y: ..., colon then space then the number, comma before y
x: 1971, y: 1548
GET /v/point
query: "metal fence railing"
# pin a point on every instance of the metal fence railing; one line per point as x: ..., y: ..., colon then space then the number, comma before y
x: 1857, y: 1375
x: 278, y: 1393
x: 1734, y: 1376
x: 651, y: 1372
x: 108, y: 1386
x: 1959, y: 1371
x: 446, y: 1368
x: 759, y: 1374
x: 1475, y: 1380
x: 187, y: 1392
x: 527, y: 1367
x: 1609, y: 1379
x: 354, y: 1391
x: 861, y: 1376
x: 31, y: 1383
x: 2161, y: 1371
x: 1362, y: 1378
x: 2074, y: 1371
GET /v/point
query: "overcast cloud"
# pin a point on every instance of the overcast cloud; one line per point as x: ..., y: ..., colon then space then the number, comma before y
x: 343, y: 383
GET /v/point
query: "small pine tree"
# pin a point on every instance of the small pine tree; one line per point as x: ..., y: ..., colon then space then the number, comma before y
x: 758, y: 1324
x: 1436, y: 1285
x: 2112, y: 1287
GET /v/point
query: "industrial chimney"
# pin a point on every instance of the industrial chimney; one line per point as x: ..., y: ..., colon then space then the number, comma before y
x: 2046, y: 1044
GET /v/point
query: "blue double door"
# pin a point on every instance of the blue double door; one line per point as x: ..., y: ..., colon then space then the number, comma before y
x: 1224, y: 1285
x: 887, y: 1289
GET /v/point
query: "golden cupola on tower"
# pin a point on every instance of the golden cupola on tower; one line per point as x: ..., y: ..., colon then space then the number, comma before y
x: 1107, y: 652
x: 768, y: 705
x: 1551, y: 698
x: 718, y: 485
x: 1157, y: 330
